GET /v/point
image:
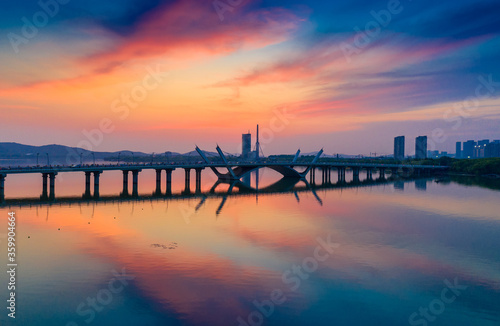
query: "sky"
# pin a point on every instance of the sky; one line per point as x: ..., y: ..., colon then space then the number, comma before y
x: 156, y: 76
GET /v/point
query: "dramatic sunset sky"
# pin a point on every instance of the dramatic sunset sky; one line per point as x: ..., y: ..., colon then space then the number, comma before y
x: 166, y: 75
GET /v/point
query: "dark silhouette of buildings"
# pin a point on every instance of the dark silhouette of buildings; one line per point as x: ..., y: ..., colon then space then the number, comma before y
x: 246, y: 150
x: 480, y: 149
x: 399, y: 148
x: 421, y: 147
x: 458, y: 150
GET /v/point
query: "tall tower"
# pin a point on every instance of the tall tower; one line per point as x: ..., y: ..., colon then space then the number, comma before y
x: 399, y: 148
x: 257, y: 145
x: 246, y: 148
x: 421, y: 147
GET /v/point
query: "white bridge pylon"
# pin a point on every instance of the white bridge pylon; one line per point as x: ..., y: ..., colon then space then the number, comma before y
x: 238, y: 171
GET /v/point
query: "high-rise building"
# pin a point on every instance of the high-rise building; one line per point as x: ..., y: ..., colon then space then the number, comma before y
x: 246, y: 148
x: 458, y: 150
x: 492, y: 149
x: 468, y: 151
x: 399, y: 148
x: 480, y: 148
x: 421, y: 147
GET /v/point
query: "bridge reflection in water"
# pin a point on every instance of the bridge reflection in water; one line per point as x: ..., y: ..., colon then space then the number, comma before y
x: 233, y: 188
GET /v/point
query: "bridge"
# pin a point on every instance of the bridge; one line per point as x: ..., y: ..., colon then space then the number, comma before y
x: 231, y: 172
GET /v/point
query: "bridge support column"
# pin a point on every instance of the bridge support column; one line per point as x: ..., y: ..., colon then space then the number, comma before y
x: 381, y: 173
x: 355, y: 174
x: 45, y: 193
x: 323, y: 175
x: 125, y: 183
x: 341, y: 175
x: 96, y: 183
x: 2, y: 187
x: 369, y: 174
x: 86, y: 194
x: 169, y: 182
x: 52, y: 178
x: 329, y: 175
x: 135, y: 181
x: 198, y: 180
x: 187, y: 181
x: 158, y: 182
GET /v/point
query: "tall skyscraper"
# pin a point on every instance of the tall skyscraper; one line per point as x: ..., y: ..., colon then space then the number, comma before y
x: 399, y: 148
x: 468, y: 151
x: 480, y: 148
x: 493, y: 149
x: 421, y: 147
x: 458, y: 150
x: 257, y: 146
x: 246, y: 148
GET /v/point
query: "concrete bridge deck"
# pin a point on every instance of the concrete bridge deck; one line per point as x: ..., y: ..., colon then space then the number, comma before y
x: 235, y: 172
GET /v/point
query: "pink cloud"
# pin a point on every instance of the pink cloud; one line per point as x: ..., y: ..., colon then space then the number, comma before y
x: 190, y: 29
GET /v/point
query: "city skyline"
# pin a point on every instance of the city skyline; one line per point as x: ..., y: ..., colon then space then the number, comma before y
x: 152, y: 79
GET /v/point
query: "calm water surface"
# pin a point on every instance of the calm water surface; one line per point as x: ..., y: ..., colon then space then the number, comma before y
x: 404, y: 253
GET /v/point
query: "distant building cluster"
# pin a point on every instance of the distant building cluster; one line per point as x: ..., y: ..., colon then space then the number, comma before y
x: 420, y: 147
x: 438, y: 154
x: 480, y: 149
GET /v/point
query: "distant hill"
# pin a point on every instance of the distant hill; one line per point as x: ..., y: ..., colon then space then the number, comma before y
x: 58, y: 154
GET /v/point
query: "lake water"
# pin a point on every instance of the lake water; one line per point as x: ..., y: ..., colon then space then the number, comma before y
x: 395, y: 253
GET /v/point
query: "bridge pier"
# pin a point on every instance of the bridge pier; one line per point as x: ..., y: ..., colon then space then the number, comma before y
x: 158, y: 182
x: 198, y: 180
x: 169, y: 182
x: 135, y: 181
x: 326, y: 174
x: 2, y: 187
x: 125, y: 183
x: 341, y: 174
x: 369, y: 174
x: 355, y: 174
x: 45, y: 193
x: 87, y: 194
x: 381, y: 172
x: 313, y: 175
x: 96, y: 183
x: 187, y: 181
x: 52, y: 179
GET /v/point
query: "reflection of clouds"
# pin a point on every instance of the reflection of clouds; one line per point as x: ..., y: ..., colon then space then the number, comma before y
x: 223, y: 264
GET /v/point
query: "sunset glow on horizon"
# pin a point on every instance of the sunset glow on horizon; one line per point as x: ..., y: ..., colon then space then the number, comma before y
x: 166, y: 75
